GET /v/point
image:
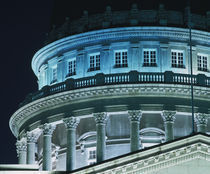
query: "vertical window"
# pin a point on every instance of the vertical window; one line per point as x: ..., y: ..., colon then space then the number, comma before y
x: 202, y: 62
x: 54, y: 74
x: 150, y: 57
x: 91, y: 155
x: 95, y: 62
x: 177, y: 59
x: 121, y: 58
x: 72, y: 67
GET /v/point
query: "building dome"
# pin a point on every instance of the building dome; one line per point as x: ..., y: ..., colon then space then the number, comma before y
x: 112, y: 83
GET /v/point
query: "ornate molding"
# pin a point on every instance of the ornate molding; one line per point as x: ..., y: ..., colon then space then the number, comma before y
x: 201, y: 119
x: 168, y: 116
x: 100, y: 118
x: 21, y: 146
x: 32, y: 137
x: 71, y: 122
x: 155, y: 161
x: 48, y: 129
x: 155, y: 90
x: 135, y: 115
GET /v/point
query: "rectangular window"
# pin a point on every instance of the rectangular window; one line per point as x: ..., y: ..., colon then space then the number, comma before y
x: 95, y: 62
x: 91, y: 155
x: 150, y: 57
x: 121, y: 58
x: 202, y: 62
x: 72, y: 67
x: 177, y: 59
x: 54, y: 74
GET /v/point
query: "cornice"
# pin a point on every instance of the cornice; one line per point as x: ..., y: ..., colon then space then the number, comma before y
x: 103, y: 92
x: 156, y: 158
x: 114, y: 34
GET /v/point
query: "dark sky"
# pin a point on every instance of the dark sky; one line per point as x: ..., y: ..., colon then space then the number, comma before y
x: 23, y: 27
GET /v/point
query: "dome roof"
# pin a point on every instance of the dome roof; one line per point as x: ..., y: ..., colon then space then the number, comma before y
x: 74, y: 10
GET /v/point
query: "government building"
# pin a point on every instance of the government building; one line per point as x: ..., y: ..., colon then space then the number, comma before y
x: 115, y: 95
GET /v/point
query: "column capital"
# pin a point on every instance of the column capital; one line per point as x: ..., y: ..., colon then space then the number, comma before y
x: 168, y: 116
x: 48, y: 129
x: 201, y: 119
x: 134, y: 115
x: 32, y: 137
x: 21, y: 145
x: 71, y: 122
x: 100, y: 118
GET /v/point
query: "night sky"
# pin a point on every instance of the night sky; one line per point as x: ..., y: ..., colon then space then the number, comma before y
x: 24, y: 24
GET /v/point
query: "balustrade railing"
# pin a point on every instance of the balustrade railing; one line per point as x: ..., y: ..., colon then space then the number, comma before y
x: 132, y: 77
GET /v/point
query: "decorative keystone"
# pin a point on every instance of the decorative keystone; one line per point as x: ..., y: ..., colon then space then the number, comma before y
x: 169, y: 116
x: 21, y: 146
x: 100, y: 118
x: 135, y: 115
x: 48, y: 129
x: 201, y: 119
x: 71, y: 122
x: 32, y: 137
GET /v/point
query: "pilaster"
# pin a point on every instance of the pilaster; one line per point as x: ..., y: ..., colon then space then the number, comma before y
x: 169, y: 118
x: 101, y: 120
x: 71, y: 124
x: 47, y: 145
x: 31, y: 140
x: 134, y: 117
x: 21, y: 147
x: 201, y: 121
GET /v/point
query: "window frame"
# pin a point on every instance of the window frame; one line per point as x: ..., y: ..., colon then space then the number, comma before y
x: 91, y: 160
x: 54, y: 74
x: 178, y: 58
x: 95, y: 64
x: 202, y: 68
x: 120, y: 58
x: 148, y: 60
x: 71, y: 71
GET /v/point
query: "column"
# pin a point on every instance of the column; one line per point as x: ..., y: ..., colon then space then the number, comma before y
x: 169, y: 118
x: 100, y: 119
x: 134, y: 117
x: 71, y: 124
x: 31, y: 140
x: 201, y: 122
x: 47, y: 146
x: 21, y: 147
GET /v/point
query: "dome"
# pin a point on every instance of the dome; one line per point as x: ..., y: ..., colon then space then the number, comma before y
x: 114, y: 82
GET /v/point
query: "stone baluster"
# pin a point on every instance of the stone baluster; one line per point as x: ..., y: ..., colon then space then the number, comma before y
x: 31, y: 140
x: 71, y: 124
x: 100, y: 119
x: 47, y: 145
x: 201, y: 122
x: 134, y: 117
x: 169, y: 118
x: 21, y: 147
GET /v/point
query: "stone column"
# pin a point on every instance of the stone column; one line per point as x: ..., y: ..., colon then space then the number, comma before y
x: 47, y: 146
x: 71, y: 124
x: 100, y: 119
x: 31, y: 140
x: 21, y: 151
x: 134, y: 117
x: 169, y: 118
x: 201, y: 122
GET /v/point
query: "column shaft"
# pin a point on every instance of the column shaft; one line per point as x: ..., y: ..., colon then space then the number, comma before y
x: 22, y: 157
x: 47, y: 149
x: 134, y: 133
x: 201, y: 128
x: 71, y: 149
x: 169, y: 131
x: 30, y: 153
x: 101, y: 142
